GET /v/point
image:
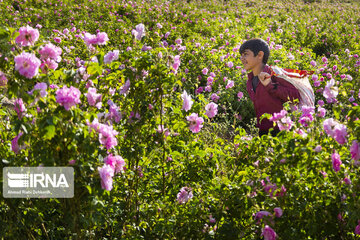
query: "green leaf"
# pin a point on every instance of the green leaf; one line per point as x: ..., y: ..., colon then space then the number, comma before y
x: 94, y: 68
x: 50, y: 132
x: 89, y: 189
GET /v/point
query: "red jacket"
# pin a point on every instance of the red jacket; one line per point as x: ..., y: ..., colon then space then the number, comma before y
x: 270, y: 99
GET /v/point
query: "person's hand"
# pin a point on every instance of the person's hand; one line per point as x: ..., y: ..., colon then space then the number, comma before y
x: 265, y: 78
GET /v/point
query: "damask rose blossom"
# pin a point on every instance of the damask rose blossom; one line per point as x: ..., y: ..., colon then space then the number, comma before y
x: 205, y: 71
x: 19, y: 108
x: 102, y: 38
x: 187, y: 101
x: 124, y: 89
x: 321, y: 112
x: 211, y: 110
x: 48, y: 64
x: 261, y: 214
x: 307, y: 115
x: 114, y: 112
x: 330, y: 91
x: 355, y: 150
x: 40, y: 86
x: 94, y: 98
x: 3, y: 79
x: 278, y: 212
x: 340, y: 133
x: 214, y: 97
x: 106, y: 173
x: 357, y: 228
x: 99, y: 39
x: 268, y: 233
x: 195, y: 122
x: 116, y: 162
x: 176, y: 63
x: 111, y: 56
x: 229, y: 84
x: 90, y: 39
x: 57, y: 39
x: 329, y: 125
x: 27, y: 64
x: 336, y: 130
x: 139, y: 31
x: 336, y: 162
x: 15, y: 143
x: 184, y: 195
x: 276, y: 116
x: 50, y: 51
x: 107, y: 136
x: 285, y: 124
x: 28, y: 36
x: 68, y: 97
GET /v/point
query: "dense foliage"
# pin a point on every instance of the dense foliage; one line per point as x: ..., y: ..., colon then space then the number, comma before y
x: 147, y: 101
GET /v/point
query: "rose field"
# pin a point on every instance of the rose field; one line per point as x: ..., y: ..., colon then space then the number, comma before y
x: 147, y: 102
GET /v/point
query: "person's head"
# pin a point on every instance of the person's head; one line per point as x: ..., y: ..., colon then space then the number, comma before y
x: 254, y: 52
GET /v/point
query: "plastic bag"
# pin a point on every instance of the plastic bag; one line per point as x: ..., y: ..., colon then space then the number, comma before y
x: 299, y: 79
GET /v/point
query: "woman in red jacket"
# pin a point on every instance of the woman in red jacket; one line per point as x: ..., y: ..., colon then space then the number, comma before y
x: 268, y: 93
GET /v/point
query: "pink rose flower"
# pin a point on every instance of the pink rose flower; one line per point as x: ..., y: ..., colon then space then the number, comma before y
x: 268, y: 233
x: 187, y: 101
x: 355, y: 150
x: 106, y: 173
x: 329, y: 125
x: 107, y: 136
x: 90, y: 39
x: 340, y: 133
x: 214, y: 97
x: 330, y: 91
x: 3, y: 79
x: 336, y: 162
x: 68, y: 97
x: 57, y: 39
x: 211, y: 110
x: 229, y: 84
x: 176, y: 63
x: 111, y: 56
x: 94, y: 98
x: 125, y: 88
x: 50, y: 51
x: 15, y: 143
x: 101, y: 38
x: 115, y: 162
x: 139, y: 31
x: 28, y: 36
x: 278, y: 212
x: 48, y: 64
x: 40, y: 86
x: 114, y: 112
x: 195, y: 122
x: 184, y: 195
x: 357, y: 228
x: 205, y: 71
x: 19, y: 108
x: 27, y: 64
x: 260, y: 214
x: 285, y: 124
